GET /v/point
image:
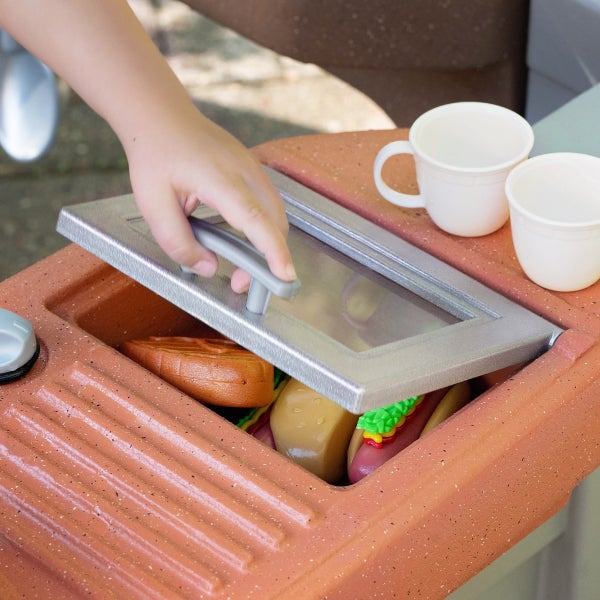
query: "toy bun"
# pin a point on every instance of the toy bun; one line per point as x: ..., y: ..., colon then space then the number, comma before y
x: 453, y: 401
x: 312, y: 430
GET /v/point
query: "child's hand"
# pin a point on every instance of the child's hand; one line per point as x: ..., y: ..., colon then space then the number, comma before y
x: 177, y: 157
x: 188, y: 160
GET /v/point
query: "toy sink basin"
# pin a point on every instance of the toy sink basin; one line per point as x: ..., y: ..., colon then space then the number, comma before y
x: 375, y: 319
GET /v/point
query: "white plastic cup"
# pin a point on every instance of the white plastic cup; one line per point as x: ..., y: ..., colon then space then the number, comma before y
x: 554, y: 202
x: 463, y: 153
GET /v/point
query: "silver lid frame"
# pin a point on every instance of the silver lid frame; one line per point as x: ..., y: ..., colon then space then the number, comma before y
x: 491, y: 332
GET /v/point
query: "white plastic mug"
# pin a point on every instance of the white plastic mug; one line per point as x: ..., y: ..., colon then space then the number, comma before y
x: 463, y: 153
x: 554, y: 202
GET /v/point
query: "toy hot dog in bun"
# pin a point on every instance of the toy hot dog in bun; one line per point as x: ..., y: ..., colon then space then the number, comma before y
x: 384, y: 432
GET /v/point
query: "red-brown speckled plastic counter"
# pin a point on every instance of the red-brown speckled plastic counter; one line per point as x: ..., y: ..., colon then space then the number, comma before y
x: 114, y: 485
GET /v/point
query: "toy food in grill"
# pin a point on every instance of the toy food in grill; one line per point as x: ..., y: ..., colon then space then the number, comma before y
x: 212, y: 370
x: 293, y: 419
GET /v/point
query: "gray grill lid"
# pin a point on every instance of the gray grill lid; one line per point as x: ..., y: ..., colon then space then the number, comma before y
x: 375, y: 320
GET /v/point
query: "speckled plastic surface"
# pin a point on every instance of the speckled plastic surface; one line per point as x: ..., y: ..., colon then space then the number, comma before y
x: 114, y: 485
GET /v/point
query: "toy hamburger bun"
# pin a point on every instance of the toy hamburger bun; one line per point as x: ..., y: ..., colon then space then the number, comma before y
x: 312, y: 430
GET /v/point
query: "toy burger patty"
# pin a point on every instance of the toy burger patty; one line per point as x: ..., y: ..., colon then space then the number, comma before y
x: 212, y: 370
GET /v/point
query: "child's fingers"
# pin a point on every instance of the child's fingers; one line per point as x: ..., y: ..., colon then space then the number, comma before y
x: 172, y: 231
x: 262, y: 221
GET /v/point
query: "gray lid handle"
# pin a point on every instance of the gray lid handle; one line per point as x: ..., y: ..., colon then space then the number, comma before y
x: 242, y: 254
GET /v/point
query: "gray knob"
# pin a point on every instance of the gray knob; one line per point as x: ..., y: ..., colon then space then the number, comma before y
x: 19, y: 347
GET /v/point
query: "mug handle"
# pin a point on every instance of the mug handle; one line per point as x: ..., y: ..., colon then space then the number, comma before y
x: 397, y: 198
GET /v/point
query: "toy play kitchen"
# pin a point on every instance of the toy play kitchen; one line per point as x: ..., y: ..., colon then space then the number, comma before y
x: 115, y: 484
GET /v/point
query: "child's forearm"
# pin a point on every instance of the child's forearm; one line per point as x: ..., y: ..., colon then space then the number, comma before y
x: 104, y: 54
x: 177, y: 157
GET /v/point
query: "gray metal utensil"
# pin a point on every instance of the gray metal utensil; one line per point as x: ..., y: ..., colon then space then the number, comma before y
x: 28, y: 102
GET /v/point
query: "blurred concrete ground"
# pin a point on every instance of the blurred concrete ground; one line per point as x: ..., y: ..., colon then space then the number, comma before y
x: 252, y: 92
